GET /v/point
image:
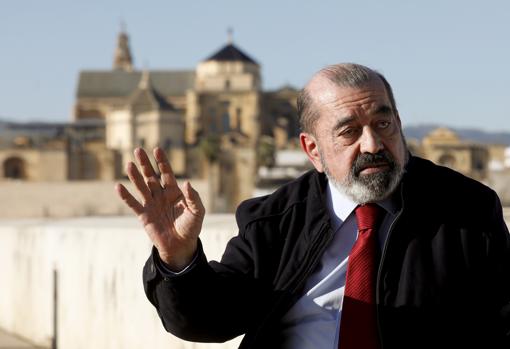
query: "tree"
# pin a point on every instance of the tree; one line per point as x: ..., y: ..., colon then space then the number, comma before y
x: 266, y: 152
x: 210, y: 146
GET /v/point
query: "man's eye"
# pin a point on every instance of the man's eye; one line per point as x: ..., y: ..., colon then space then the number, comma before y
x: 349, y: 132
x: 383, y: 124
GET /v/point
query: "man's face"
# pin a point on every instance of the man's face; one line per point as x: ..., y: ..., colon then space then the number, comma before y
x: 357, y: 139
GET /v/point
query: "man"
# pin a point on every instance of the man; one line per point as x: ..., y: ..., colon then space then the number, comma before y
x: 374, y: 248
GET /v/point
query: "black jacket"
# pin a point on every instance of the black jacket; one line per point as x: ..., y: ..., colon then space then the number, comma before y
x: 443, y: 280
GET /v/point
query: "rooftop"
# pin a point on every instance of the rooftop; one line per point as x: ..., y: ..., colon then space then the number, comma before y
x: 116, y: 83
x: 230, y: 52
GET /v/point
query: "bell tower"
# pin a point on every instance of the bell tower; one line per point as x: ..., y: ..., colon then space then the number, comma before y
x: 122, y: 59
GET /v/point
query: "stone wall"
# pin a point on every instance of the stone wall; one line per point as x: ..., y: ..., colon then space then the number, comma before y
x: 98, y: 263
x: 68, y: 199
x: 37, y: 165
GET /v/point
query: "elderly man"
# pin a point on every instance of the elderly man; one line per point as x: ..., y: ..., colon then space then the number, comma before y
x: 374, y: 248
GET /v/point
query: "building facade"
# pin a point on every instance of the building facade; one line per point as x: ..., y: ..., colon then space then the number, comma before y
x: 215, y: 122
x: 211, y: 121
x: 444, y: 147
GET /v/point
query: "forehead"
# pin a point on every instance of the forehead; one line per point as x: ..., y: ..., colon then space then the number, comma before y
x: 329, y: 96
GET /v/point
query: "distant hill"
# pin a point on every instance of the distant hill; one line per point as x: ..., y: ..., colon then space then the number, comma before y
x: 485, y: 137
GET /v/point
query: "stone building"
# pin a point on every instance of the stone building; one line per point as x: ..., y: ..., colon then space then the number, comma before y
x: 444, y: 147
x: 56, y: 152
x: 499, y: 155
x: 219, y: 104
x: 146, y: 120
x: 215, y: 122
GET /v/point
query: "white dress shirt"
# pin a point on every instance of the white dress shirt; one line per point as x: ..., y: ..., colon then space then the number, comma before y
x: 313, y: 322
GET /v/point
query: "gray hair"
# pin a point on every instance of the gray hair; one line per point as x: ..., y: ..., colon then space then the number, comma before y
x: 344, y: 75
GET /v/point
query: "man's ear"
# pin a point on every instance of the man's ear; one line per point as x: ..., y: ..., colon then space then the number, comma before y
x: 311, y: 148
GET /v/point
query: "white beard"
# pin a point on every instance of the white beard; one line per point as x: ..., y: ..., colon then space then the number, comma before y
x: 372, y: 187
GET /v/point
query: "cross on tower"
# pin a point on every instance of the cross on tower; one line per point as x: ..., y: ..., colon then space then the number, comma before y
x: 230, y: 34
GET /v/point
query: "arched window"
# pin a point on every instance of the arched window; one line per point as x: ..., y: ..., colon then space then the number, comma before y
x: 14, y: 168
x: 447, y: 160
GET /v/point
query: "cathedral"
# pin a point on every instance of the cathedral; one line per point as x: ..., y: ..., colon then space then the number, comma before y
x: 214, y: 121
x: 220, y: 103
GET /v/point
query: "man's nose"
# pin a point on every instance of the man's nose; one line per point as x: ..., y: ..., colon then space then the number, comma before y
x: 370, y: 141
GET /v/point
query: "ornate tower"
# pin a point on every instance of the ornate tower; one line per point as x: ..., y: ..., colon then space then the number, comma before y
x: 123, y: 59
x: 226, y: 97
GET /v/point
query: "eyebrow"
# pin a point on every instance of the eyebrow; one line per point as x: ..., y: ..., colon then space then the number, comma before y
x: 342, y: 122
x: 383, y: 109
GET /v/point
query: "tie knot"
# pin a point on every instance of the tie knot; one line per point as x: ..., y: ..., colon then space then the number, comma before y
x: 368, y: 216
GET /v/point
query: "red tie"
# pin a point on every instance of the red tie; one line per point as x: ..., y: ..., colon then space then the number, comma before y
x: 358, y: 326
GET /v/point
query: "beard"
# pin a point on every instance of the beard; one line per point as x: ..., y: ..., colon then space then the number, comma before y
x: 363, y: 188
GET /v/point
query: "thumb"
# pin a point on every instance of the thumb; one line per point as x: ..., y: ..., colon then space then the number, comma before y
x: 193, y: 200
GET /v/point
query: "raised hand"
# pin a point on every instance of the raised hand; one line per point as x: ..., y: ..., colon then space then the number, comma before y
x: 171, y: 216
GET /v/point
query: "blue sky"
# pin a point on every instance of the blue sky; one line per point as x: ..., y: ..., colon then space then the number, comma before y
x: 448, y: 61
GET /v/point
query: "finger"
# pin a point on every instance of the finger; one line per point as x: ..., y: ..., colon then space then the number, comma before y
x: 148, y: 171
x: 126, y: 196
x: 136, y: 178
x: 144, y: 162
x: 167, y: 175
x: 193, y: 200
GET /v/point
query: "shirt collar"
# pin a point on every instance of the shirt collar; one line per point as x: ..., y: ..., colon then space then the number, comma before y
x: 340, y: 206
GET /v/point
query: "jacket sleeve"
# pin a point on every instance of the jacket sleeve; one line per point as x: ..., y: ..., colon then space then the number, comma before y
x: 209, y: 302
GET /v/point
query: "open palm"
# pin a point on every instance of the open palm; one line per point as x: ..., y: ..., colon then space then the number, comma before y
x: 171, y: 216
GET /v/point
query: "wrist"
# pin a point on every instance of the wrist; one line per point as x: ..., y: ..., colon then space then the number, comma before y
x: 179, y: 260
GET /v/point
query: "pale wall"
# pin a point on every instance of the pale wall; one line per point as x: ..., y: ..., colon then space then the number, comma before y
x: 101, y: 303
x: 69, y: 199
x: 101, y: 300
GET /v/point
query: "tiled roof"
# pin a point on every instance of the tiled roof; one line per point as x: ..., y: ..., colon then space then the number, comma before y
x: 122, y: 84
x: 231, y: 53
x: 148, y: 96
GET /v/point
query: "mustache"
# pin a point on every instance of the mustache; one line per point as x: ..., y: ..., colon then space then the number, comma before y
x: 365, y: 160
